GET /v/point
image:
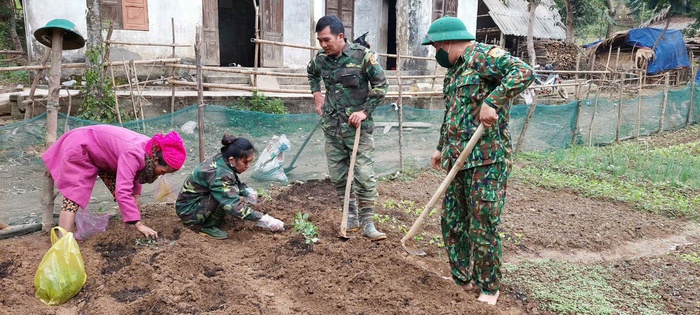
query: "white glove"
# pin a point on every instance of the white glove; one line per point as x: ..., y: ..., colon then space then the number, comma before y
x: 270, y: 223
x: 251, y: 195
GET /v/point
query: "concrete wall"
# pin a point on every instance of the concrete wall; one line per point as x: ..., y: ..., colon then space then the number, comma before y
x: 419, y: 15
x: 371, y: 15
x: 466, y: 11
x: 187, y: 14
x: 298, y: 30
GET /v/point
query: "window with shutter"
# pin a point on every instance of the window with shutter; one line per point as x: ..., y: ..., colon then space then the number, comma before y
x: 125, y: 14
x: 444, y: 8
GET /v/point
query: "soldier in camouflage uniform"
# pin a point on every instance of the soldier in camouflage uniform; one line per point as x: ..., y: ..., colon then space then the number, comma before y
x: 479, y: 81
x: 214, y: 189
x: 355, y: 84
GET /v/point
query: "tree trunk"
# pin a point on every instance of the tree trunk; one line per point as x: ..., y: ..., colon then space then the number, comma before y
x: 530, y: 32
x: 612, y: 10
x: 13, y: 28
x: 94, y: 52
x: 569, y: 22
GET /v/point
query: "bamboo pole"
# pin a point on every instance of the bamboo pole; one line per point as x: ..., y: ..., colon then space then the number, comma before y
x: 131, y: 91
x: 70, y: 104
x: 530, y: 113
x: 269, y: 42
x: 663, y: 104
x: 400, y: 109
x: 639, y: 103
x: 172, y: 74
x: 578, y: 113
x: 578, y: 62
x: 82, y: 65
x: 148, y: 44
x: 138, y: 94
x: 116, y: 98
x: 692, y: 90
x: 39, y: 73
x: 11, y: 52
x: 257, y: 43
x: 595, y: 109
x: 619, y: 108
x: 200, y: 91
x: 52, y: 124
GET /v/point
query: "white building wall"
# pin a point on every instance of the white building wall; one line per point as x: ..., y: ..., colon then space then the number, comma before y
x: 187, y: 14
x: 466, y: 11
x: 298, y: 30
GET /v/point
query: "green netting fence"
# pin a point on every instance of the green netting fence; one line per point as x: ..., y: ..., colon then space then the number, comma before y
x: 551, y: 127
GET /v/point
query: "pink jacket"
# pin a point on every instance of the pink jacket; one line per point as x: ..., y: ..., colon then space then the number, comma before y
x: 80, y: 154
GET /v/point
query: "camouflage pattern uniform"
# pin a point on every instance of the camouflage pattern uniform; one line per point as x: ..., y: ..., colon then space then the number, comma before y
x: 484, y: 75
x: 213, y: 189
x: 354, y: 81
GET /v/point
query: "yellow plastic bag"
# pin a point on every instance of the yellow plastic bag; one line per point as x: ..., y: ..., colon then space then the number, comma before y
x: 61, y: 273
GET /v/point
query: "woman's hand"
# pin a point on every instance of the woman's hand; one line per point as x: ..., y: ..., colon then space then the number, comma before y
x: 146, y: 231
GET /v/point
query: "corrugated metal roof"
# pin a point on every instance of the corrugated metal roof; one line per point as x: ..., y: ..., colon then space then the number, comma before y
x: 513, y: 18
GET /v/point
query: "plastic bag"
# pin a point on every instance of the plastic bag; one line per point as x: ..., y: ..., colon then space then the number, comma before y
x: 61, y: 273
x: 269, y: 165
x: 164, y: 191
x: 89, y: 224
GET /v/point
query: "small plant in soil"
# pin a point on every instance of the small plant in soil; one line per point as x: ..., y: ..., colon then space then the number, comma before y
x: 146, y: 242
x: 306, y: 228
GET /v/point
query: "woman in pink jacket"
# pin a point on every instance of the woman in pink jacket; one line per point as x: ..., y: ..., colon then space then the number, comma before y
x: 122, y: 158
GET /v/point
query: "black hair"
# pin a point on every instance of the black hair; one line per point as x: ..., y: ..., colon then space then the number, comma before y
x: 331, y: 21
x: 236, y: 147
x: 161, y: 160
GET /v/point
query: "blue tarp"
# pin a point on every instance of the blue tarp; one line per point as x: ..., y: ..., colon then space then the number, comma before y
x: 670, y: 52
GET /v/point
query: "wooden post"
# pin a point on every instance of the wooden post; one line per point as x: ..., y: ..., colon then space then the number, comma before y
x: 530, y: 113
x: 619, y: 106
x: 52, y: 106
x: 692, y: 90
x: 578, y: 62
x: 257, y: 45
x: 70, y: 104
x: 172, y: 74
x: 639, y: 103
x: 29, y: 113
x: 663, y: 104
x: 595, y: 109
x: 200, y: 91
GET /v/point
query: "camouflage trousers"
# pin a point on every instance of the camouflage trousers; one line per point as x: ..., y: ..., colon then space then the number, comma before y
x: 199, y: 212
x: 472, y: 212
x: 338, y: 153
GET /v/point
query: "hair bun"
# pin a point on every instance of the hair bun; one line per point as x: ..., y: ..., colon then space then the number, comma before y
x: 228, y: 139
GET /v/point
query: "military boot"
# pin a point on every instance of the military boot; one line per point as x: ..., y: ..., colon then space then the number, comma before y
x: 367, y: 223
x: 210, y: 227
x: 353, y: 220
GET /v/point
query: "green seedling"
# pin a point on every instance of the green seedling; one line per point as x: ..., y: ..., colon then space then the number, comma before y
x: 306, y: 228
x: 146, y: 242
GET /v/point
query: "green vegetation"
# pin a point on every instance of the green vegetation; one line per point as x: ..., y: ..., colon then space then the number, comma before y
x: 258, y: 102
x: 98, y: 106
x: 305, y: 228
x: 659, y: 180
x: 567, y: 288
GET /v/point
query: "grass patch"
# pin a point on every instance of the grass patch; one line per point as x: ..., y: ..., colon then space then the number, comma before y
x: 566, y: 288
x: 659, y: 180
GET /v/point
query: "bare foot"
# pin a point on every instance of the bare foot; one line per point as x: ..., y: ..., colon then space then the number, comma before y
x: 489, y: 299
x: 469, y: 287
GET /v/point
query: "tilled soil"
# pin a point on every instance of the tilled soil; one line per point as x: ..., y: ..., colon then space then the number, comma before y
x: 260, y: 272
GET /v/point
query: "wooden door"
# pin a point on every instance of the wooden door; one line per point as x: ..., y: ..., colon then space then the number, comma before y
x: 135, y: 15
x: 272, y: 15
x: 210, y: 32
x: 345, y: 11
x: 444, y: 8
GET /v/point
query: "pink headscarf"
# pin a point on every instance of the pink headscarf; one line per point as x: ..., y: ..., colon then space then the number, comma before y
x: 171, y: 145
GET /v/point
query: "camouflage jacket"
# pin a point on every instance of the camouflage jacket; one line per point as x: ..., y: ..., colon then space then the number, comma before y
x: 485, y: 75
x: 354, y: 81
x: 216, y: 178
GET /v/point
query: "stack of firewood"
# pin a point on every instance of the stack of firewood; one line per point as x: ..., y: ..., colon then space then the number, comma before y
x: 561, y: 55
